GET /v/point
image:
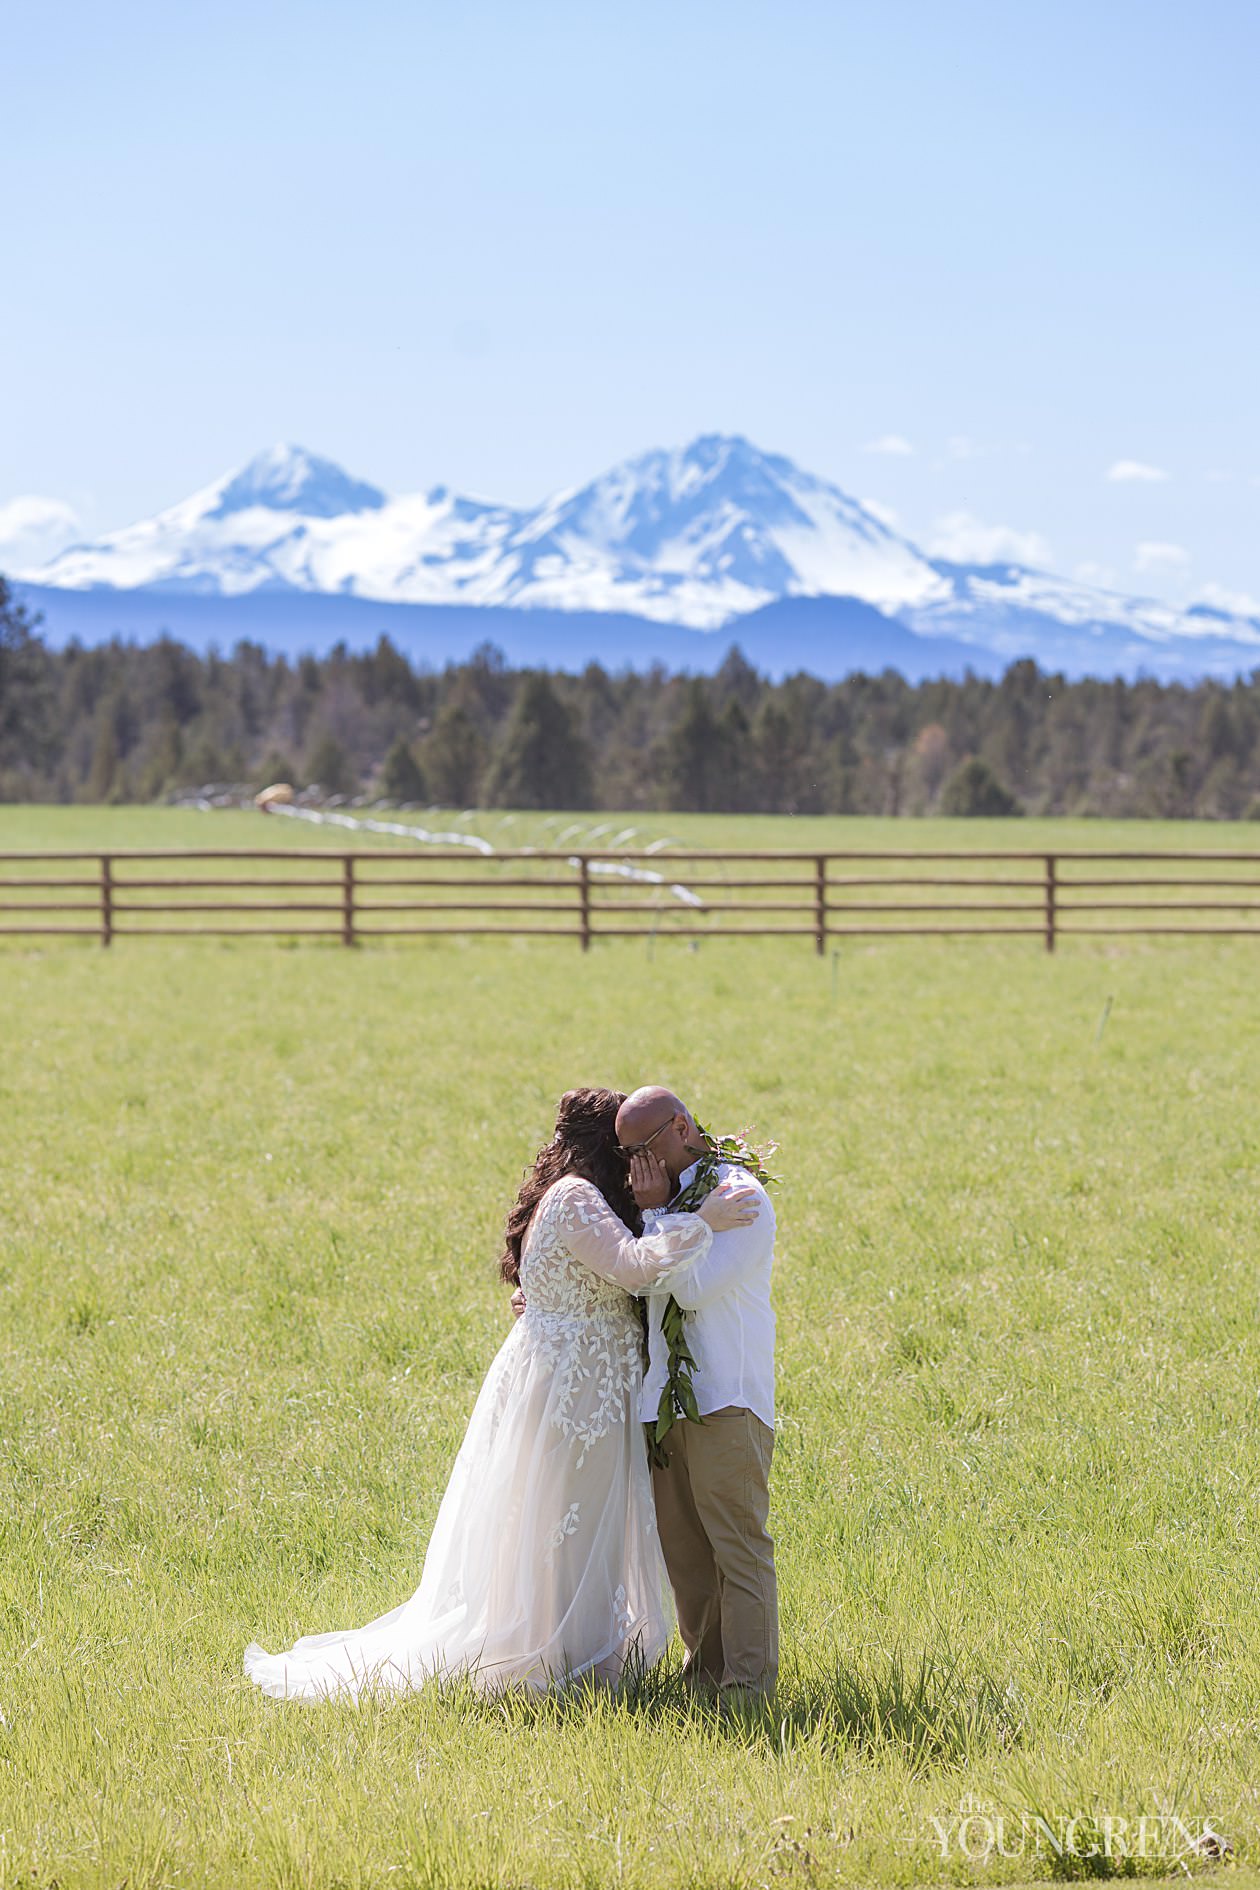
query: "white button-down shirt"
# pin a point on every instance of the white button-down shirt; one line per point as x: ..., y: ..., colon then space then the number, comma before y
x: 731, y: 1329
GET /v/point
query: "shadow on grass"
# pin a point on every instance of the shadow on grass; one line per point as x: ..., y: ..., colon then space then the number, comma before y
x: 928, y: 1710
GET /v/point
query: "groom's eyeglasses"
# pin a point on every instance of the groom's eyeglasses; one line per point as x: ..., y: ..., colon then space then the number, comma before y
x: 641, y: 1148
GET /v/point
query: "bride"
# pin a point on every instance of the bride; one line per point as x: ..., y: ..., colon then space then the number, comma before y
x: 544, y: 1563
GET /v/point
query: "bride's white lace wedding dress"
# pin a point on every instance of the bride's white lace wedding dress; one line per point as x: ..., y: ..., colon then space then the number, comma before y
x: 544, y: 1562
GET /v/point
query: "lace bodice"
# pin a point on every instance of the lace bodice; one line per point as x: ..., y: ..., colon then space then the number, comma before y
x: 580, y: 1269
x: 580, y: 1260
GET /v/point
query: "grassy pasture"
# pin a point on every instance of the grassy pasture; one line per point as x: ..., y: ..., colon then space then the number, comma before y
x: 250, y: 1201
x: 155, y: 826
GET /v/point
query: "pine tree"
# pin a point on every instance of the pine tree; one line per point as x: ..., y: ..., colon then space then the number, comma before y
x: 454, y: 757
x: 775, y: 755
x: 161, y: 762
x: 686, y: 759
x: 203, y: 764
x: 102, y: 782
x: 277, y: 768
x: 27, y: 731
x: 974, y: 790
x: 734, y: 776
x: 402, y: 777
x: 544, y: 760
x: 328, y: 766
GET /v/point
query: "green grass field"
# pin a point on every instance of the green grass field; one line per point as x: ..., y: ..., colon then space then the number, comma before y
x: 154, y: 826
x: 252, y: 1196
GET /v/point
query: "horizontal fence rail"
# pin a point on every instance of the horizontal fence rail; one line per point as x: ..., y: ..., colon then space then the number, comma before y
x: 355, y: 897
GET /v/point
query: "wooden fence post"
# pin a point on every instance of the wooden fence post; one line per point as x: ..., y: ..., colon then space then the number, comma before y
x: 820, y: 904
x: 347, y: 899
x: 584, y: 899
x: 107, y: 900
x: 1051, y: 911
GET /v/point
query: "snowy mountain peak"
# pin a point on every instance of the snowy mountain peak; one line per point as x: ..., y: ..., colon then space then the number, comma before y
x: 289, y: 479
x: 713, y: 467
x: 717, y: 527
x: 697, y: 535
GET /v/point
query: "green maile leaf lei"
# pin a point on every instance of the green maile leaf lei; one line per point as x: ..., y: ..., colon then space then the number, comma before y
x: 678, y: 1399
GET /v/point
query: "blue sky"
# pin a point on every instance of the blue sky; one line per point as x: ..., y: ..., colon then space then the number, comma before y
x: 503, y: 246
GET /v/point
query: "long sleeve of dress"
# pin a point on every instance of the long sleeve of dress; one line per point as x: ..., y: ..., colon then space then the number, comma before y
x: 600, y: 1240
x: 732, y: 1257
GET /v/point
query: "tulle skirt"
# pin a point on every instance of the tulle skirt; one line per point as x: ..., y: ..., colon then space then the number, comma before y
x: 544, y: 1565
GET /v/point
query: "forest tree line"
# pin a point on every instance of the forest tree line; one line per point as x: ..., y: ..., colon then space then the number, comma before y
x: 122, y: 723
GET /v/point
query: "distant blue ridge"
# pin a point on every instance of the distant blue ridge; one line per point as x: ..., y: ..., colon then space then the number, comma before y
x: 828, y: 637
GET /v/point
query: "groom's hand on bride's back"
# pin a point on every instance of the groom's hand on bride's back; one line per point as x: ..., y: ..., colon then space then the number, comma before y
x: 517, y: 1302
x: 649, y: 1180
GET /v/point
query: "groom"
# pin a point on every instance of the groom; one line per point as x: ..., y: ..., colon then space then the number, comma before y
x: 713, y: 1499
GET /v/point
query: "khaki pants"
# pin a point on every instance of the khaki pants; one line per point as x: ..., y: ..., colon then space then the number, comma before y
x: 711, y: 1507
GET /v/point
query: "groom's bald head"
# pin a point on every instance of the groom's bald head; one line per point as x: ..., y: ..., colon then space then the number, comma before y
x: 644, y: 1110
x: 656, y: 1118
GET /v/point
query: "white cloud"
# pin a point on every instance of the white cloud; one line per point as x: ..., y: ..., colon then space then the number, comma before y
x: 961, y: 446
x: 884, y: 513
x: 1135, y: 472
x: 1100, y: 575
x: 1240, y: 603
x: 889, y: 443
x: 967, y: 540
x: 33, y: 530
x: 1157, y: 559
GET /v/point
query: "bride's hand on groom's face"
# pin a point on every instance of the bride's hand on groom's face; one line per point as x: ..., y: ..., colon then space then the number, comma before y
x: 731, y: 1204
x: 649, y: 1180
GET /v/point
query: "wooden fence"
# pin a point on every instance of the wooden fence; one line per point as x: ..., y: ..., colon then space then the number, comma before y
x: 351, y: 897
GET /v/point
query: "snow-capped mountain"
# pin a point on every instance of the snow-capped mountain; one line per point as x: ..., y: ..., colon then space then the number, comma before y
x: 1014, y: 611
x: 695, y: 537
x: 289, y: 479
x: 701, y: 537
x: 708, y: 533
x: 286, y: 521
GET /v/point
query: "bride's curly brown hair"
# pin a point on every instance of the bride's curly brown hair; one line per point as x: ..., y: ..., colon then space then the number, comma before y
x: 585, y: 1143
